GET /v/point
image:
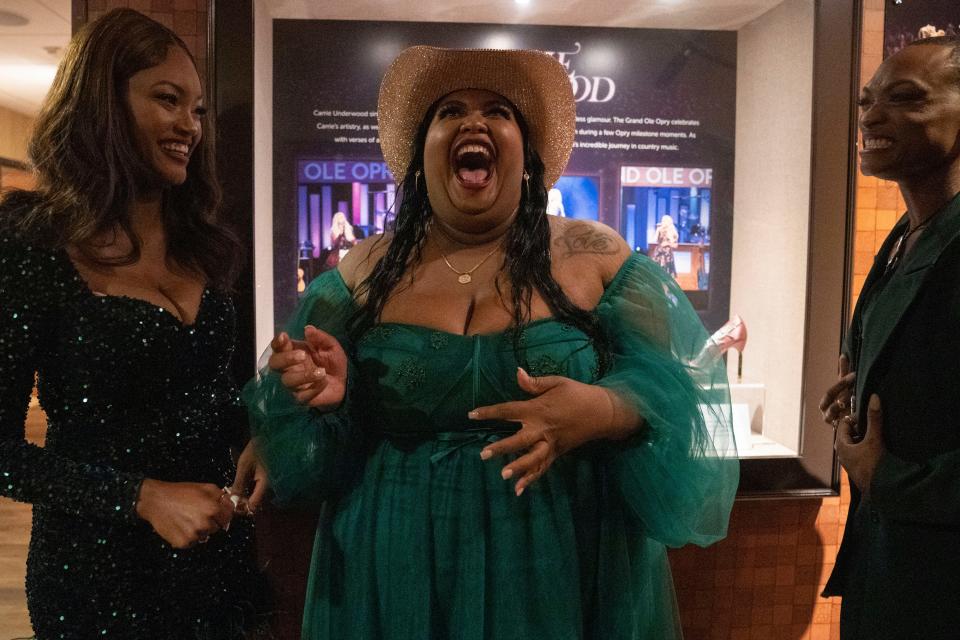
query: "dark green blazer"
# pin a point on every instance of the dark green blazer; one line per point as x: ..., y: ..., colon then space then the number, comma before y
x: 898, y: 567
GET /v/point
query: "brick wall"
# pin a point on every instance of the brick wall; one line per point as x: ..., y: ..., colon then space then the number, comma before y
x: 763, y: 581
x: 188, y: 18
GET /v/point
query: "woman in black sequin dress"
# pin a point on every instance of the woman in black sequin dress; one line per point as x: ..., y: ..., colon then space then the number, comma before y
x: 112, y: 290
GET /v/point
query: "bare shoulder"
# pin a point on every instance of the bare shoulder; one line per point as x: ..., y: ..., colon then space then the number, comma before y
x: 362, y: 258
x: 587, y: 245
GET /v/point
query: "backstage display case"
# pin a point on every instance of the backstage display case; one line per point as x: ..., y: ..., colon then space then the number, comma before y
x: 736, y: 130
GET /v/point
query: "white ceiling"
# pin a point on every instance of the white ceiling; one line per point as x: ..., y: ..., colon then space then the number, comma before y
x: 656, y: 14
x: 27, y: 68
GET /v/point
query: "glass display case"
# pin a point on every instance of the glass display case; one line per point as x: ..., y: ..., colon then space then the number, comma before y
x: 732, y: 136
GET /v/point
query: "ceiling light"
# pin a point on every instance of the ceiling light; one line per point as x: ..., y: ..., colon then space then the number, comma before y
x: 28, y: 76
x: 11, y: 19
x: 500, y: 41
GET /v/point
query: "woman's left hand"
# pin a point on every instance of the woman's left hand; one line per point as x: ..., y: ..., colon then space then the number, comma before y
x: 249, y: 471
x: 860, y: 459
x: 564, y: 415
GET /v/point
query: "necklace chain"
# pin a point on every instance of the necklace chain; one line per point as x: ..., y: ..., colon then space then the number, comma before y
x: 896, y: 254
x: 464, y: 277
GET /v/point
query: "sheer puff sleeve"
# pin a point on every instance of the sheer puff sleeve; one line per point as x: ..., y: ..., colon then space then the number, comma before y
x: 309, y: 454
x: 679, y: 472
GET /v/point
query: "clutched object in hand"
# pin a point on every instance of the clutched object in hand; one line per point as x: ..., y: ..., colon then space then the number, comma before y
x: 239, y: 502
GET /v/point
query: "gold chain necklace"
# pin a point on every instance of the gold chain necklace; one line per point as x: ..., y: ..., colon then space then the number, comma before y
x: 464, y: 277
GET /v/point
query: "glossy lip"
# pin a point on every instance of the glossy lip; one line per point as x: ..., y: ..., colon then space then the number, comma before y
x: 482, y: 141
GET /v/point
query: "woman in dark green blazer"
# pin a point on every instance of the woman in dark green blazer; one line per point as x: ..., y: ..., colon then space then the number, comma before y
x: 898, y: 567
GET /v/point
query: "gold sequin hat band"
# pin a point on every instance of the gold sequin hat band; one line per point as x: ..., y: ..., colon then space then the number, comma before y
x: 532, y: 80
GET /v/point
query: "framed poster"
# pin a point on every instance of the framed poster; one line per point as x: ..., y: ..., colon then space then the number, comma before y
x: 327, y: 163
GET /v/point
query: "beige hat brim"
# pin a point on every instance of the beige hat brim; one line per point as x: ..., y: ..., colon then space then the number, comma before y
x: 532, y: 80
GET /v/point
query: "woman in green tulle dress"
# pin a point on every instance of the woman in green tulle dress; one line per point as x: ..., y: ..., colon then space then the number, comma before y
x: 496, y: 407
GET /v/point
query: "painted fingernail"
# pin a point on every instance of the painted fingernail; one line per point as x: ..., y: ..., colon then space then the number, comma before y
x: 474, y: 415
x: 506, y: 474
x: 486, y: 454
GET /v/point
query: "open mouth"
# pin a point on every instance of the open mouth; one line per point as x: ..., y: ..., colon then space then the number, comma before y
x: 473, y: 163
x: 178, y: 150
x: 876, y: 143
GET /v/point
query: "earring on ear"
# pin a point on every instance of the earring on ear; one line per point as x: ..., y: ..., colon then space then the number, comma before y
x: 526, y: 183
x: 416, y: 181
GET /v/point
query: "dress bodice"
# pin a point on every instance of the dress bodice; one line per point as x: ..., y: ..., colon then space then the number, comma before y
x: 424, y: 380
x: 118, y: 363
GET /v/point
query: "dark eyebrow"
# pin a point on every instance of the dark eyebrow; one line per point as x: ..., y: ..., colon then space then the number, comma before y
x: 498, y: 102
x: 180, y: 90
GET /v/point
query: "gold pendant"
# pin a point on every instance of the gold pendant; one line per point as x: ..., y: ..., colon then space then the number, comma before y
x: 464, y: 278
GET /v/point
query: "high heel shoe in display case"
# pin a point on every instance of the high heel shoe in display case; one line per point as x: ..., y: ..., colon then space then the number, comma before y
x: 732, y: 335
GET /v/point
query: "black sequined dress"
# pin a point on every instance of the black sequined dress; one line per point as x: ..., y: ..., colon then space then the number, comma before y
x: 130, y: 393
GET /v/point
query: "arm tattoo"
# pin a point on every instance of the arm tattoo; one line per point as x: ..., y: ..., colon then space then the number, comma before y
x: 582, y: 238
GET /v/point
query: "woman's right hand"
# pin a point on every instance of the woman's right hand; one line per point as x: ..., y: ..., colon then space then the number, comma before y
x: 314, y: 369
x: 836, y: 402
x: 184, y: 513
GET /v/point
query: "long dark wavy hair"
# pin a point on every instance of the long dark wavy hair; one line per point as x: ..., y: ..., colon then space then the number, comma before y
x: 526, y: 259
x: 87, y: 166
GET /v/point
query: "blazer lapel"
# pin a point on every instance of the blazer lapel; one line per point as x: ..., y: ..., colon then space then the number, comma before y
x: 885, y: 312
x: 854, y: 338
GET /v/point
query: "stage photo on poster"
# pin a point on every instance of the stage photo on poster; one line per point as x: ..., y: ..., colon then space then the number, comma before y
x: 665, y: 213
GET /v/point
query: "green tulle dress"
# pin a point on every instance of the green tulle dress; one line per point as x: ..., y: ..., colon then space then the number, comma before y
x: 421, y: 539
